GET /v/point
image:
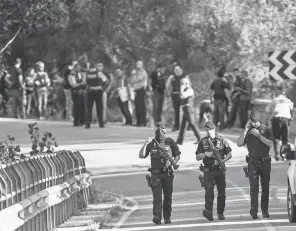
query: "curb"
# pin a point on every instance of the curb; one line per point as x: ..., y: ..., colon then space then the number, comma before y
x: 117, y: 225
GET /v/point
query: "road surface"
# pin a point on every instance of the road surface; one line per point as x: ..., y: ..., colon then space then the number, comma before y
x: 113, y: 151
x: 188, y: 202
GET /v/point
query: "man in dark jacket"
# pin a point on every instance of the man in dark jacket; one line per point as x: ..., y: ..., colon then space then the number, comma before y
x: 158, y: 86
x: 218, y: 86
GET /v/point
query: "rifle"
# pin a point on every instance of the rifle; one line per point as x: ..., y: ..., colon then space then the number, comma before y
x: 217, y: 156
x: 165, y: 154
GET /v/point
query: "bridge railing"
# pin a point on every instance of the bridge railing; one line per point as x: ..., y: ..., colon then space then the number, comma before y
x: 40, y: 192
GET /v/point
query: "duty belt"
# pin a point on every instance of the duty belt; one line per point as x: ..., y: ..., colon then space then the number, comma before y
x: 159, y: 171
x: 258, y: 159
x: 209, y: 169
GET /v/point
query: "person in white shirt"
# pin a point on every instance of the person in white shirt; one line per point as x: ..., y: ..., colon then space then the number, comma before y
x: 279, y: 116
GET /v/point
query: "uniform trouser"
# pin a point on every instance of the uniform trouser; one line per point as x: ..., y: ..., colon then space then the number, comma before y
x: 176, y: 105
x: 124, y: 107
x: 158, y: 99
x: 91, y: 97
x: 212, y: 178
x: 17, y: 102
x: 69, y: 104
x: 78, y: 97
x: 219, y: 111
x: 140, y: 106
x: 261, y: 169
x: 232, y: 116
x: 244, y: 106
x: 162, y: 183
x: 187, y: 119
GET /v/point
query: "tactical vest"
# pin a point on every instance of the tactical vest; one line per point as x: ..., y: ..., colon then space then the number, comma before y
x: 41, y: 77
x: 92, y: 78
x: 176, y: 83
x: 78, y: 79
x: 218, y: 142
x: 157, y: 162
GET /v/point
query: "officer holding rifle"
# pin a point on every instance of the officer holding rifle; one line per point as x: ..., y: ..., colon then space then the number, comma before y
x: 164, y: 154
x: 259, y: 139
x: 214, y: 150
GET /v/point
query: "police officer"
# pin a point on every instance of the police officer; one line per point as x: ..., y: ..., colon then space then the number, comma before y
x: 213, y: 173
x: 94, y: 93
x: 78, y: 84
x: 259, y: 140
x: 161, y: 173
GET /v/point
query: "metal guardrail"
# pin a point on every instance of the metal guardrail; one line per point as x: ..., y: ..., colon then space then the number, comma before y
x: 41, y: 192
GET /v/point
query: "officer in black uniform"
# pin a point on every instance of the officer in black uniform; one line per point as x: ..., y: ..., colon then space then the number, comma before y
x: 96, y: 84
x: 212, y: 171
x: 162, y: 174
x: 78, y: 84
x: 258, y: 138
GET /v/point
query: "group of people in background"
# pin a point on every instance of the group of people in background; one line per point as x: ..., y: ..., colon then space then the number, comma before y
x: 84, y: 84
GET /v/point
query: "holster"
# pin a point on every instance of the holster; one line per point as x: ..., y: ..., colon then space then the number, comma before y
x: 204, y: 169
x: 246, y: 171
x: 148, y: 178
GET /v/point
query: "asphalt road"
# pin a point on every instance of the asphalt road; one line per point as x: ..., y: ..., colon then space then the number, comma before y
x: 188, y: 197
x: 188, y: 202
x: 65, y: 133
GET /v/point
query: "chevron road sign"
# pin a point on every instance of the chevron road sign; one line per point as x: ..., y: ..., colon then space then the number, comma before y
x: 282, y: 65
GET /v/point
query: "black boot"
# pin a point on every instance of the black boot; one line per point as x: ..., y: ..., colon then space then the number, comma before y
x: 167, y: 221
x: 221, y: 216
x: 254, y: 214
x: 156, y: 220
x: 207, y: 214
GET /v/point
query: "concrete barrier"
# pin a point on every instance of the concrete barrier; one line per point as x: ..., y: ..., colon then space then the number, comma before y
x: 41, y: 192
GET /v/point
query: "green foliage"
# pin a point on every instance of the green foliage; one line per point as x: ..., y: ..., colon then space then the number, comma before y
x: 199, y: 34
x: 41, y: 141
x: 9, y: 151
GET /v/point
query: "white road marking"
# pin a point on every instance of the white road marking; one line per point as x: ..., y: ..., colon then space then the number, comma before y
x: 127, y: 214
x: 192, y: 203
x: 267, y: 224
x: 199, y: 218
x: 184, y: 193
x: 209, y: 224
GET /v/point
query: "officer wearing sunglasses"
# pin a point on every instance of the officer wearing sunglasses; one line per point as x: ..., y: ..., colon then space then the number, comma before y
x: 259, y: 139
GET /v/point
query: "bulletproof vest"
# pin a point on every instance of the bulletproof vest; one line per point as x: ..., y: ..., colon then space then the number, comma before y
x: 157, y: 162
x: 92, y: 78
x: 210, y: 161
x: 176, y: 83
x: 41, y: 77
x: 78, y: 79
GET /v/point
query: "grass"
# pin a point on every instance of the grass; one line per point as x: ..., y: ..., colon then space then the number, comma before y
x: 98, y: 197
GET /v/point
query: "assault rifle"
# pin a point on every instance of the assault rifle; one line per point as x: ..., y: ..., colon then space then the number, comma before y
x: 165, y: 154
x: 217, y: 157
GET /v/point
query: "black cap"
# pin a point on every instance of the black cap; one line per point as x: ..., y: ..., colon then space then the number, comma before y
x: 160, y: 125
x: 210, y: 125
